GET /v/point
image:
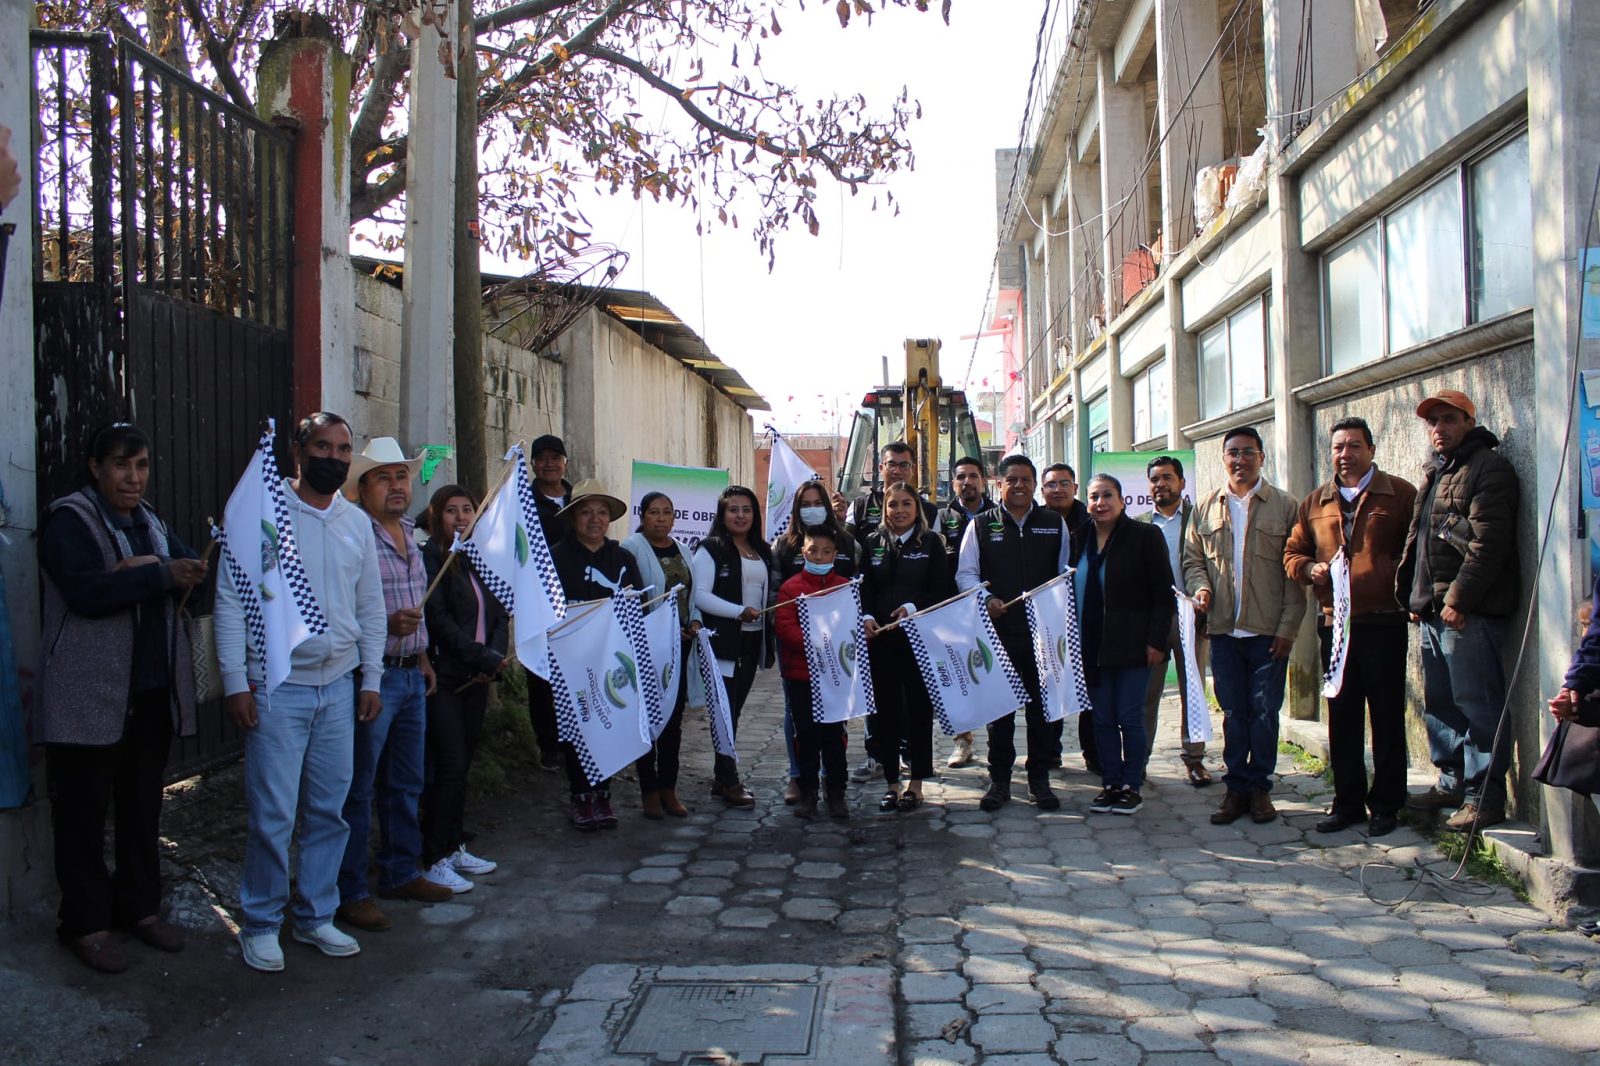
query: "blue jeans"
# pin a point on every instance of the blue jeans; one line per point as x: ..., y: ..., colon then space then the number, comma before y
x: 297, y: 756
x: 1117, y: 704
x: 1464, y: 691
x: 389, y: 759
x: 1249, y: 684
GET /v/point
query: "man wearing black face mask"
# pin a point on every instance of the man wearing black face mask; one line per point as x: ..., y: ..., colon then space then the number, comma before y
x: 300, y: 738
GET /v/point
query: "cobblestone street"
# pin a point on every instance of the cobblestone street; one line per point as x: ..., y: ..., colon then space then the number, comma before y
x: 944, y: 935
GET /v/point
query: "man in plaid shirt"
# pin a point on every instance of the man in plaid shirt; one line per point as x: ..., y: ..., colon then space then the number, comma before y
x: 381, y: 481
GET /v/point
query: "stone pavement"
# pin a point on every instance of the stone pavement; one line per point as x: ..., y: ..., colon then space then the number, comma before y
x: 964, y: 937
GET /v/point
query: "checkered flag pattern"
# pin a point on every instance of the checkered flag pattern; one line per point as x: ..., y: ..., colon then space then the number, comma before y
x: 498, y: 587
x: 263, y: 563
x: 1058, y: 648
x: 1019, y: 691
x: 1197, y: 712
x: 598, y: 685
x: 823, y: 617
x: 957, y: 651
x: 538, y: 547
x: 630, y: 613
x: 785, y: 474
x: 717, y: 707
x: 919, y: 652
x: 567, y: 723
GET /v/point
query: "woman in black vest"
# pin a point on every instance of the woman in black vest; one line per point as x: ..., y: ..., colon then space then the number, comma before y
x: 810, y: 511
x: 1123, y: 586
x: 468, y: 635
x: 904, y: 570
x: 116, y: 684
x: 732, y: 586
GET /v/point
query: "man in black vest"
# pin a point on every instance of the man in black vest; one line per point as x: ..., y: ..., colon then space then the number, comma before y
x: 1015, y: 547
x: 970, y: 501
x: 896, y: 463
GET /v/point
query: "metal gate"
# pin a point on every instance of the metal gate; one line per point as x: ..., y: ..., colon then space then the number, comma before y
x: 162, y: 282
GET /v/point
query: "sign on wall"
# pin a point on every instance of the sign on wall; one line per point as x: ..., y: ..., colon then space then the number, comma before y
x: 693, y: 491
x: 1128, y: 468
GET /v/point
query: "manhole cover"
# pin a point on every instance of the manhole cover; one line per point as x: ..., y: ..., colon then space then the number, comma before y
x: 745, y: 1019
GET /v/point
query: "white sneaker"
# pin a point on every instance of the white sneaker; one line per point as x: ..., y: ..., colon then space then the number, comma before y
x: 329, y: 940
x: 866, y: 771
x: 467, y: 863
x: 443, y: 874
x: 262, y: 951
x: 963, y: 751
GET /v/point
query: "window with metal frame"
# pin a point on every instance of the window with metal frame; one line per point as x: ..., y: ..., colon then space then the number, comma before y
x: 1233, y: 361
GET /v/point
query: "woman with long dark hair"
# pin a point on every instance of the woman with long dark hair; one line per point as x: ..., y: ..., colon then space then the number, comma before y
x: 468, y: 635
x: 904, y: 569
x: 116, y: 684
x: 732, y: 582
x: 664, y: 565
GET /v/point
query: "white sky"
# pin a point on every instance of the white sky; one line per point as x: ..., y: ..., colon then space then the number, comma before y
x: 815, y: 329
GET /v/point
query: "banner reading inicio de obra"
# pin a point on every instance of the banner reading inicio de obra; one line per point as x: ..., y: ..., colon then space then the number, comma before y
x: 693, y: 491
x: 836, y: 654
x: 969, y: 676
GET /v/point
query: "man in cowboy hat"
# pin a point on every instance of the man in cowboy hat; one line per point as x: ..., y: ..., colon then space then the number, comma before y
x: 591, y: 567
x: 380, y: 481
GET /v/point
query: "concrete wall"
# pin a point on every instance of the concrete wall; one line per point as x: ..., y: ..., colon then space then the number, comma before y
x: 625, y: 399
x: 524, y: 392
x: 375, y: 382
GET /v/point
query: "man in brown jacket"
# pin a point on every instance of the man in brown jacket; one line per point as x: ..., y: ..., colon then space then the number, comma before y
x: 1233, y: 567
x: 1367, y: 513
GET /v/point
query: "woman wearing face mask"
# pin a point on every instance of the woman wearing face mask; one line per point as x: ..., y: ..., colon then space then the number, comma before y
x: 663, y: 565
x: 810, y: 511
x: 468, y: 634
x: 732, y: 578
x: 1123, y: 591
x: 117, y: 683
x: 904, y: 569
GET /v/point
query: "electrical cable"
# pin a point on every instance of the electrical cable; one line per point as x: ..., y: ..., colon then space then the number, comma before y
x: 1419, y: 874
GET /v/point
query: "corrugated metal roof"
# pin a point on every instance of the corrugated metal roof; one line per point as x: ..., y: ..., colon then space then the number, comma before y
x: 655, y: 322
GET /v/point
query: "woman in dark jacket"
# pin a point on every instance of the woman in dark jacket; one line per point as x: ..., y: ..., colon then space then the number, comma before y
x: 117, y: 683
x: 1123, y: 586
x: 467, y: 633
x: 905, y: 569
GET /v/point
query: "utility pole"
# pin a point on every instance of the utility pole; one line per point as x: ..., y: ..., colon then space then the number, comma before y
x: 472, y: 447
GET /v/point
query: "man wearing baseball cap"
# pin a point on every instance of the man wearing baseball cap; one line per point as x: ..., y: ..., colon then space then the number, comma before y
x: 1458, y: 576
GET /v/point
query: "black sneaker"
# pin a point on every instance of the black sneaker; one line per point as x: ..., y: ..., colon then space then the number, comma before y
x: 997, y: 796
x: 1046, y: 800
x: 1126, y: 801
x: 1104, y: 802
x: 1338, y: 820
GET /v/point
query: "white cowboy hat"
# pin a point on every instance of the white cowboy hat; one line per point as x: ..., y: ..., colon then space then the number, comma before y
x: 590, y: 489
x: 380, y: 451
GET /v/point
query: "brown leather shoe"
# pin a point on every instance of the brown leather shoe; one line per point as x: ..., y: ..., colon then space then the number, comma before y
x: 650, y: 805
x: 1234, y: 804
x: 421, y: 890
x: 159, y: 934
x: 100, y: 952
x: 1261, y: 808
x: 363, y: 914
x: 1471, y: 817
x: 734, y: 795
x: 671, y: 804
x: 1199, y: 776
x: 792, y: 792
x: 837, y: 806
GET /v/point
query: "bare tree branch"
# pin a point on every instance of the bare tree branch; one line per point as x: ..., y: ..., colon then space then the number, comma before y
x: 217, y: 53
x: 518, y: 12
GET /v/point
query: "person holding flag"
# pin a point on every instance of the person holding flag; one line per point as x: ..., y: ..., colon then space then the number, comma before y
x: 906, y: 570
x: 1123, y: 586
x: 951, y: 523
x: 1366, y: 513
x: 1014, y: 547
x: 591, y: 566
x: 299, y: 612
x: 547, y: 459
x: 818, y: 745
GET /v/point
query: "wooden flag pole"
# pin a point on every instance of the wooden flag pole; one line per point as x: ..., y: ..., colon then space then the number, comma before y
x: 797, y: 599
x: 205, y: 557
x: 571, y: 619
x: 450, y: 557
x: 935, y: 607
x: 1036, y: 589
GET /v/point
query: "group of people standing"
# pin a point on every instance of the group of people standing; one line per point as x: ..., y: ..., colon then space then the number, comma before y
x: 383, y: 710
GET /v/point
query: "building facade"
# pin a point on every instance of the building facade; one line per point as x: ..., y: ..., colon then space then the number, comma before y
x: 1248, y: 212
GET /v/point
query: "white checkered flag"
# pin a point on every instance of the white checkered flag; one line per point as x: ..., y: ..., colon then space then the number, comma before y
x: 663, y: 635
x: 836, y: 654
x: 262, y: 563
x: 508, y: 550
x: 969, y: 677
x: 599, y: 687
x: 1196, y: 711
x: 784, y: 478
x: 718, y: 709
x: 1057, y: 649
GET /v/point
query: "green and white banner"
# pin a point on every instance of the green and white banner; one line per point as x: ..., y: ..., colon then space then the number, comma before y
x: 693, y: 491
x: 1129, y: 469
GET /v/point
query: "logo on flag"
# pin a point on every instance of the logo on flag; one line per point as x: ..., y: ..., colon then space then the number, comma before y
x: 784, y: 477
x: 600, y: 694
x: 1053, y: 625
x: 661, y: 635
x: 968, y: 674
x: 508, y: 550
x: 836, y: 653
x: 280, y: 609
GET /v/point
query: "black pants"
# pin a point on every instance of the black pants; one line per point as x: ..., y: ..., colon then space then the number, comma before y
x: 1002, y: 731
x: 1375, y: 685
x: 542, y: 713
x: 658, y: 767
x: 905, y: 713
x: 455, y: 722
x: 744, y: 676
x: 818, y: 746
x: 1086, y: 739
x: 126, y: 777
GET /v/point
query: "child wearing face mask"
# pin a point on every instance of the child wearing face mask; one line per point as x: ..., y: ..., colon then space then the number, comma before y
x: 818, y: 745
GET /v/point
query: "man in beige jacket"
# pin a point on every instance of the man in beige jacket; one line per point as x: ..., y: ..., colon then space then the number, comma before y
x: 1233, y: 567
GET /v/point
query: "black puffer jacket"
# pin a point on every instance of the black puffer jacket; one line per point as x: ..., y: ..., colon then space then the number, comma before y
x: 1474, y: 568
